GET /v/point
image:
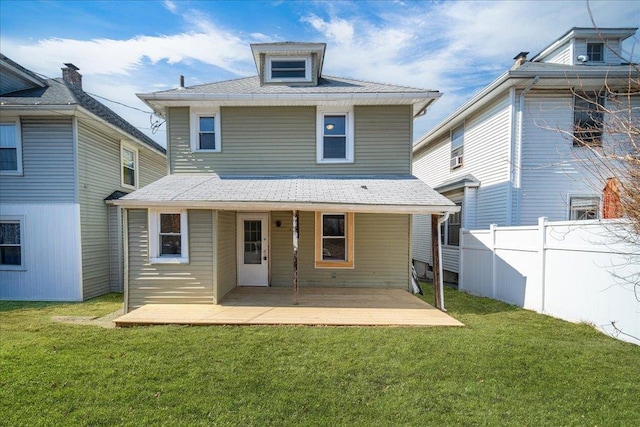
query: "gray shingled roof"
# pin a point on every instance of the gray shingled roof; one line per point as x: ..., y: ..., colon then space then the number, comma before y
x: 327, y: 84
x: 24, y: 70
x: 404, y: 193
x: 58, y: 93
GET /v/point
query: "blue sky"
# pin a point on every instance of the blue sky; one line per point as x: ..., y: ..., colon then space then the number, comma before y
x: 128, y: 47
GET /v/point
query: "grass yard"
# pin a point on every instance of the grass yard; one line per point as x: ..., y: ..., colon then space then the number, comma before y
x: 506, y: 367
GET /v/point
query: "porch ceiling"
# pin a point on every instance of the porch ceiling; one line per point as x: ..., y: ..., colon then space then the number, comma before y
x: 317, y: 306
x: 357, y: 193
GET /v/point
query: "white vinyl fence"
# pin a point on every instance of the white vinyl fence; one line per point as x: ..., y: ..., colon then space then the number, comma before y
x: 583, y: 271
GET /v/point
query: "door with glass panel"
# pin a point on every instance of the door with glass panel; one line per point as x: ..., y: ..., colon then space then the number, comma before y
x: 253, y: 249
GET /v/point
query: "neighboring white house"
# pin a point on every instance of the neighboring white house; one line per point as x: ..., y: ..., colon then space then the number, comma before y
x: 62, y: 153
x: 507, y: 156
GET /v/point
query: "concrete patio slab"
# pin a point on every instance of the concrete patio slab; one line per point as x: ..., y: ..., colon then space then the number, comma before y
x: 317, y: 306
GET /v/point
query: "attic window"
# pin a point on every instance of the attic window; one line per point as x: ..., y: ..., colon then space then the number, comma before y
x: 595, y: 52
x: 288, y: 69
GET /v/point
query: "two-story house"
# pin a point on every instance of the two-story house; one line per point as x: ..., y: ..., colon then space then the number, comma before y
x: 516, y: 151
x: 62, y: 153
x: 288, y: 177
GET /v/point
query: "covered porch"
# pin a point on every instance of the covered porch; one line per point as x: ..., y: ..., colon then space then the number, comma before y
x: 316, y: 306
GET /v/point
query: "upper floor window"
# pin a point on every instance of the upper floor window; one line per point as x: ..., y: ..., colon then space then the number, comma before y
x: 595, y: 52
x: 11, y: 243
x: 335, y: 136
x: 10, y: 148
x: 457, y: 146
x: 334, y: 240
x: 588, y: 118
x: 584, y: 208
x: 168, y: 231
x: 205, y: 130
x: 129, y: 169
x: 288, y: 69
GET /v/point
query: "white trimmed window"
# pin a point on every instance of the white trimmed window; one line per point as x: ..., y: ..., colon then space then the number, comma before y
x: 588, y: 119
x: 450, y: 229
x: 288, y: 69
x: 595, y: 52
x: 335, y: 136
x: 129, y: 165
x: 10, y: 148
x: 457, y: 147
x: 168, y: 241
x: 11, y: 243
x: 584, y: 208
x: 205, y: 130
x: 334, y: 240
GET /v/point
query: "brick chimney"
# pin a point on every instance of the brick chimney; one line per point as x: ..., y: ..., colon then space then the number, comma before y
x: 71, y: 75
x: 519, y: 59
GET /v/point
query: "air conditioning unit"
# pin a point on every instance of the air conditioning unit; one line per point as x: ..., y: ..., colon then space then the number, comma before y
x: 456, y: 162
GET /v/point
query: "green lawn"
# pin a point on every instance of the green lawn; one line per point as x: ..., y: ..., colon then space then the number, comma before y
x: 506, y: 367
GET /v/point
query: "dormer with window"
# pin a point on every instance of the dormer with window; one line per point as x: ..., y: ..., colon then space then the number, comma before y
x: 289, y: 63
x: 587, y: 46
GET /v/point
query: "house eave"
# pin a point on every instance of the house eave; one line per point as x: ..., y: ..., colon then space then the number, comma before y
x: 159, y: 102
x: 289, y: 206
x: 574, y: 76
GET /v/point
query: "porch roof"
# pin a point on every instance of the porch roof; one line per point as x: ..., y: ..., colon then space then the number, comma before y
x: 355, y: 193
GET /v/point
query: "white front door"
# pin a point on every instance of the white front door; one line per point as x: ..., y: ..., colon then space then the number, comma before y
x: 253, y: 249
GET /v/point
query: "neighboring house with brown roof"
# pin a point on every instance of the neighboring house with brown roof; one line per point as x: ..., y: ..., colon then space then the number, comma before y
x: 62, y: 153
x: 512, y: 153
x: 259, y: 163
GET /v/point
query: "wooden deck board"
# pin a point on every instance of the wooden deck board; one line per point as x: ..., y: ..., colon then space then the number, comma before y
x: 317, y: 306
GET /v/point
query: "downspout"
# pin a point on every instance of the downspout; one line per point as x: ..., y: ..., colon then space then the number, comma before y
x: 518, y: 148
x: 441, y: 220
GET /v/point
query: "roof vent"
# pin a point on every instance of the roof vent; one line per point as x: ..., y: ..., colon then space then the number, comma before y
x: 71, y: 75
x: 519, y: 59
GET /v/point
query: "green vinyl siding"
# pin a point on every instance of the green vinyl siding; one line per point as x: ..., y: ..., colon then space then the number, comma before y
x: 48, y: 174
x: 98, y: 176
x: 171, y: 283
x: 381, y: 258
x: 282, y: 249
x: 226, y: 252
x: 282, y: 140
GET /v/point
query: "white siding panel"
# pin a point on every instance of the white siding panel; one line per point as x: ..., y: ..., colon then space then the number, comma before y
x: 51, y: 237
x: 562, y: 55
x: 551, y: 167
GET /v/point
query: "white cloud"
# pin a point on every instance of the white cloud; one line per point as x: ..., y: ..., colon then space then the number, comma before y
x: 170, y: 6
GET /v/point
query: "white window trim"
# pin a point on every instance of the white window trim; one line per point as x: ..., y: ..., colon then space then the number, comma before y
x: 307, y: 69
x: 136, y: 165
x: 604, y: 51
x: 349, y: 153
x: 196, y: 113
x: 23, y: 254
x: 15, y: 121
x: 154, y: 237
x: 583, y: 196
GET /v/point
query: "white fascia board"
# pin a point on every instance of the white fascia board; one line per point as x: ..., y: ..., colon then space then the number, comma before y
x: 288, y: 206
x: 40, y: 110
